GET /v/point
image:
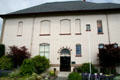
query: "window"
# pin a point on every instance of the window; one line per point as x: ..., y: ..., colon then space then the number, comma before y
x: 65, y: 27
x: 45, y: 28
x: 44, y: 50
x: 77, y: 26
x: 65, y: 51
x: 20, y: 28
x: 78, y: 50
x: 101, y: 46
x: 88, y: 27
x: 99, y: 26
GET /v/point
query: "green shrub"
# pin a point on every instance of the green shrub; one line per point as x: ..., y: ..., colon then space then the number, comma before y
x: 117, y: 78
x: 51, y: 73
x: 85, y: 68
x: 2, y: 50
x: 108, y: 70
x: 41, y: 64
x: 6, y: 63
x: 14, y: 74
x: 74, y: 76
x: 35, y: 76
x: 27, y: 68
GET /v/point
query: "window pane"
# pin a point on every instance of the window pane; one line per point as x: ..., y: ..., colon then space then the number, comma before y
x: 78, y: 47
x: 101, y: 46
x: 41, y: 48
x: 115, y: 45
x: 65, y: 51
x: 77, y: 52
x: 88, y: 27
x: 41, y: 54
x: 47, y: 55
x: 47, y: 48
x: 99, y: 29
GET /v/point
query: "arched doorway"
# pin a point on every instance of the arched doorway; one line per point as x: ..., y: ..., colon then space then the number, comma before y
x: 65, y: 60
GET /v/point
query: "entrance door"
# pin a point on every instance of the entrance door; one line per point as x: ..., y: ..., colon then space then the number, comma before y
x: 65, y: 63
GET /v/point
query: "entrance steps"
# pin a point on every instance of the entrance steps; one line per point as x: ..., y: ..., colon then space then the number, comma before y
x: 63, y: 74
x: 61, y: 78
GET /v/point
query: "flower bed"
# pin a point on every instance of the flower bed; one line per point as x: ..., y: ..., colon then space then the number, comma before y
x: 85, y: 76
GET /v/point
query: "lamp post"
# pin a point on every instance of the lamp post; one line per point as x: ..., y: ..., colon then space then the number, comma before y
x: 89, y: 52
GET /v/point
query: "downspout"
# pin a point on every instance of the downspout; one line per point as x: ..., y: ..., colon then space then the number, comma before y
x: 2, y: 32
x: 108, y: 30
x: 32, y: 35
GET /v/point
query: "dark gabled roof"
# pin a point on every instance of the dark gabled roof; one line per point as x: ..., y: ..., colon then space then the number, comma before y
x: 66, y: 7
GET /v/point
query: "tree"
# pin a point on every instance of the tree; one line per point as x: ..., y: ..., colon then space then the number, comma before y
x: 109, y: 58
x: 18, y: 55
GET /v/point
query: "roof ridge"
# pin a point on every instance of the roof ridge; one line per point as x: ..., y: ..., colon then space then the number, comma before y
x: 49, y: 3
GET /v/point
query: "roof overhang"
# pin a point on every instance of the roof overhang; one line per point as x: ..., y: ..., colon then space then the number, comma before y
x: 57, y: 13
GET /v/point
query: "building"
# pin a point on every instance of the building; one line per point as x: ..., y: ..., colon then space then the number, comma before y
x: 67, y: 33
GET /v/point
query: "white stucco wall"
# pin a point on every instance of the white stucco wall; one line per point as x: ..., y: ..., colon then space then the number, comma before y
x: 10, y: 37
x: 58, y: 41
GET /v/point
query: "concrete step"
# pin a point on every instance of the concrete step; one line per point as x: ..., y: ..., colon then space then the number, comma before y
x: 61, y: 78
x: 63, y: 74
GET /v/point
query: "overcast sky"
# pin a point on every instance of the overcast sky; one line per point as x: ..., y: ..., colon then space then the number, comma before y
x: 7, y: 6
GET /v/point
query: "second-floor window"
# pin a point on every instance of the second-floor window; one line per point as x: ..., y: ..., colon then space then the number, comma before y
x: 65, y: 27
x: 78, y: 26
x: 99, y: 27
x: 45, y: 27
x: 88, y: 28
x: 20, y: 28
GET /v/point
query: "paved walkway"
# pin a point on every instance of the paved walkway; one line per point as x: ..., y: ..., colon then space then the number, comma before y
x: 62, y: 75
x: 61, y: 78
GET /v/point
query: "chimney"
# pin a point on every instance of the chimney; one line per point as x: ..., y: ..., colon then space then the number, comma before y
x: 84, y: 0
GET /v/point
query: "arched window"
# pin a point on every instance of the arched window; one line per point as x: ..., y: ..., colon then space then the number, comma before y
x: 20, y: 28
x: 44, y: 50
x: 65, y: 26
x: 45, y: 27
x: 65, y: 51
x: 77, y: 26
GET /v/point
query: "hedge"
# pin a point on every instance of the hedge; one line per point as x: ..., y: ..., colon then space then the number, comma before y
x: 2, y: 50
